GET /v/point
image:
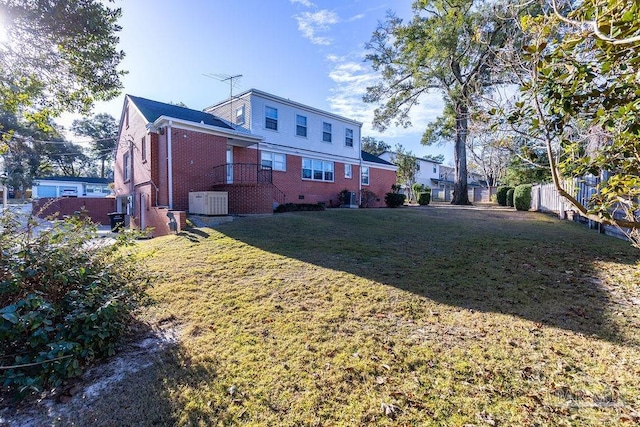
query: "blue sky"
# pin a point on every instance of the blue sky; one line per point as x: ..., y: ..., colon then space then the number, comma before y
x: 310, y: 51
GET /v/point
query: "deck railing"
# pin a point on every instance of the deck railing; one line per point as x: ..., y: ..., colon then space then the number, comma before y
x: 242, y: 173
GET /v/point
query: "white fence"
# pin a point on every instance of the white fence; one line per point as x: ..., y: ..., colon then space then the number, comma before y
x: 545, y: 197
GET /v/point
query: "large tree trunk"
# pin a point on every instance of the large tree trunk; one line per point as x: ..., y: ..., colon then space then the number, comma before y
x: 460, y: 193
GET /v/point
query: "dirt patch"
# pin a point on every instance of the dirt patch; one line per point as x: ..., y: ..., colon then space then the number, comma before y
x: 78, y: 397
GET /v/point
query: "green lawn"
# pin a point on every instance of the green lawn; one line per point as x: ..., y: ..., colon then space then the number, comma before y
x: 413, y: 316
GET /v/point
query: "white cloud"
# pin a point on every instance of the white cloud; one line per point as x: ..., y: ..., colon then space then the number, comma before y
x: 351, y: 80
x: 306, y: 3
x: 312, y: 23
x: 356, y: 17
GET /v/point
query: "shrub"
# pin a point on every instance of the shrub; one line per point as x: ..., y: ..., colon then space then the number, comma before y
x: 418, y: 188
x: 299, y: 207
x: 368, y: 197
x: 343, y: 197
x: 522, y: 197
x: 424, y: 198
x: 66, y: 298
x: 510, y: 197
x: 393, y: 200
x: 501, y: 195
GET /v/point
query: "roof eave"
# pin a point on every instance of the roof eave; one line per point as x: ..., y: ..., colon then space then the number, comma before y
x: 215, y: 130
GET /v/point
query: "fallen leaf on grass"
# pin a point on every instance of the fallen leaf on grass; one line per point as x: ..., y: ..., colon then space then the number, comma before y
x: 389, y: 409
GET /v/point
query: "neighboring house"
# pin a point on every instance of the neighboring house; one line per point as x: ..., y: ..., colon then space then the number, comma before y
x: 273, y: 151
x: 428, y: 170
x: 70, y: 186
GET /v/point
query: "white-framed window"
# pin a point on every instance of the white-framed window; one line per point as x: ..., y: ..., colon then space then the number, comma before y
x: 240, y: 115
x: 277, y: 162
x: 348, y: 137
x: 365, y: 175
x: 271, y: 118
x: 143, y: 149
x: 326, y: 132
x: 347, y: 170
x: 317, y: 170
x: 435, y: 170
x: 301, y: 125
x: 126, y: 166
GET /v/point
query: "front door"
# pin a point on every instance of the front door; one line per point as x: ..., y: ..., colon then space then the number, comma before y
x: 229, y: 165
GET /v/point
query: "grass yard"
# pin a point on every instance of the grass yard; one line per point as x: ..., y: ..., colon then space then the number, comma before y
x: 414, y: 316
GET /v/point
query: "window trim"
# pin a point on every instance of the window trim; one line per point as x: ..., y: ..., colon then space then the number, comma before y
x: 143, y: 149
x: 273, y: 161
x: 365, y: 172
x: 126, y: 166
x: 241, y: 115
x: 323, y: 170
x: 347, y: 137
x: 305, y: 127
x: 267, y: 118
x: 324, y: 132
x: 350, y: 168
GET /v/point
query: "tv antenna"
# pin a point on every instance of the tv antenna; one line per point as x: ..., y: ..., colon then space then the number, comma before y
x: 233, y: 82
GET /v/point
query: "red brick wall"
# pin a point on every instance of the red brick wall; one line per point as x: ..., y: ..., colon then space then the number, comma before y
x: 157, y: 218
x: 248, y: 198
x: 97, y: 209
x: 194, y: 156
x: 380, y: 182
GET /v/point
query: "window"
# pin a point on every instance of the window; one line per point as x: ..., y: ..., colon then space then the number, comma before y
x: 317, y: 170
x: 126, y: 166
x: 240, y: 115
x: 326, y: 132
x: 365, y: 175
x: 348, y: 137
x: 271, y: 118
x: 347, y: 170
x: 301, y: 125
x: 143, y: 149
x: 277, y: 162
x: 435, y: 170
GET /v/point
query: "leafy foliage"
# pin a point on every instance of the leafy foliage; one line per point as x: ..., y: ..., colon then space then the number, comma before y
x: 510, y: 196
x: 424, y: 197
x: 58, y: 56
x: 501, y: 195
x: 449, y: 46
x: 522, y: 197
x: 374, y: 146
x: 66, y: 298
x: 103, y: 129
x: 581, y: 99
x: 407, y: 165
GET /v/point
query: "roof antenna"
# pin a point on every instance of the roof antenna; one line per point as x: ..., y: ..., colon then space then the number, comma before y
x: 223, y: 78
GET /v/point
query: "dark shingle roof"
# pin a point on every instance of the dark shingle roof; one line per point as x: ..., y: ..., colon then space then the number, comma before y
x: 85, y: 179
x: 368, y: 157
x: 151, y: 110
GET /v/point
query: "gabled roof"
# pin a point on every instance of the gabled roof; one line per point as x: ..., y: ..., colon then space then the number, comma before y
x: 152, y: 110
x: 368, y: 157
x: 83, y: 179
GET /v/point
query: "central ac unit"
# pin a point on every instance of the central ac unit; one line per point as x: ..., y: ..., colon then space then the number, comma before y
x: 208, y: 203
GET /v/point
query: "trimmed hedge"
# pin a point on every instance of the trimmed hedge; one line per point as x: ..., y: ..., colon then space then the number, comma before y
x: 424, y: 198
x: 510, y: 197
x: 501, y: 195
x: 522, y: 197
x: 393, y: 200
x: 299, y: 207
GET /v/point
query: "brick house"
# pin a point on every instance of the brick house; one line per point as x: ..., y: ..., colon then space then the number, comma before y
x: 261, y: 149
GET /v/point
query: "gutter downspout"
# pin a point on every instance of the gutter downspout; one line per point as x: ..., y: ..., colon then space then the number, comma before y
x: 170, y: 164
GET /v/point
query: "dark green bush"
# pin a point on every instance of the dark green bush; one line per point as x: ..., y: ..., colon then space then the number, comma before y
x: 343, y: 197
x: 424, y: 198
x: 299, y: 207
x: 510, y: 197
x: 522, y: 197
x: 368, y: 198
x: 501, y: 195
x: 393, y: 200
x: 66, y: 296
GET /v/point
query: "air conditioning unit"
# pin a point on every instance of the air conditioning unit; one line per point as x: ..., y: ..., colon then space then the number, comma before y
x: 208, y: 203
x: 353, y: 200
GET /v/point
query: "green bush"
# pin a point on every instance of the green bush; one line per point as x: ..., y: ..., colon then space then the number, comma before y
x: 510, y: 197
x: 393, y: 200
x: 501, y: 195
x: 522, y: 197
x: 343, y: 197
x: 65, y: 296
x: 299, y: 207
x: 424, y: 198
x: 368, y: 198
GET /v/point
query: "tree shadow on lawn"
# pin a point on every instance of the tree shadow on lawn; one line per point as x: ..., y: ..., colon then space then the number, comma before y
x: 525, y: 264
